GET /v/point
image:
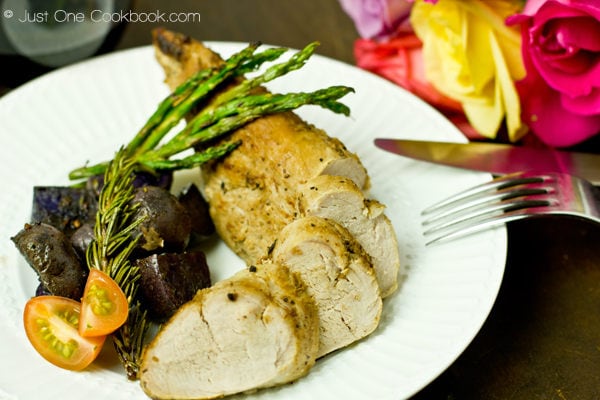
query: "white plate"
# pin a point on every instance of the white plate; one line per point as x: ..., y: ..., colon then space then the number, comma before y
x: 84, y: 112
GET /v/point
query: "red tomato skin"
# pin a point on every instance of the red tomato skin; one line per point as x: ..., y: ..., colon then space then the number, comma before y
x: 93, y: 324
x: 45, y: 319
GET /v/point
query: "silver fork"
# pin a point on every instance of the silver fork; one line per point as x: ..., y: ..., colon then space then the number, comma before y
x: 510, y: 198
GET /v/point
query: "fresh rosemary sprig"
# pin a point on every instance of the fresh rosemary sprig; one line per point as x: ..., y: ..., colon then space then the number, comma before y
x: 113, y: 244
x: 110, y: 252
x: 224, y: 109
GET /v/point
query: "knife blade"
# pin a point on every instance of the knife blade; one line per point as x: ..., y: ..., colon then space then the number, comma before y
x: 498, y: 159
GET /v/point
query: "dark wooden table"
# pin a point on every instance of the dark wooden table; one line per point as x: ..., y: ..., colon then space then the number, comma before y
x: 542, y: 338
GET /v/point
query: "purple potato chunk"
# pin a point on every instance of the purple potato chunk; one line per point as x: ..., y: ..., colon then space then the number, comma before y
x: 42, y: 290
x: 65, y: 208
x: 169, y: 280
x: 197, y: 208
x: 166, y: 226
x: 81, y: 239
x: 50, y: 253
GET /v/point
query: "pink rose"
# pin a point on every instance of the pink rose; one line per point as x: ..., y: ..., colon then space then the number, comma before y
x: 560, y: 94
x: 377, y: 19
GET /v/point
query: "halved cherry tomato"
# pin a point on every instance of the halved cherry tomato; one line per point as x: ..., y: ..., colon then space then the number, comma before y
x: 104, y: 306
x: 51, y: 324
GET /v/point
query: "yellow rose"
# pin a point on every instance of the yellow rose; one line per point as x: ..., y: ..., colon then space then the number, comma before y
x: 470, y: 55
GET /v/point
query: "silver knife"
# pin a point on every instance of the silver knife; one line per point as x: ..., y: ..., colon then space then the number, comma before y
x: 498, y: 159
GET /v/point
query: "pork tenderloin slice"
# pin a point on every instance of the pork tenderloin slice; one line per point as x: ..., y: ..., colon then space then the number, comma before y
x: 338, y: 275
x: 338, y: 198
x: 252, y: 192
x: 257, y: 329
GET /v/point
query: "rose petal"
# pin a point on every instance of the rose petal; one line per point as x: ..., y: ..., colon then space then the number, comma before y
x: 378, y: 19
x: 462, y: 123
x: 590, y: 7
x: 579, y: 32
x: 367, y: 21
x: 549, y: 120
x: 568, y: 45
x: 555, y: 10
x: 532, y: 6
x: 400, y: 60
x: 503, y: 102
x: 397, y: 11
x: 387, y: 59
x: 569, y: 69
x: 584, y: 105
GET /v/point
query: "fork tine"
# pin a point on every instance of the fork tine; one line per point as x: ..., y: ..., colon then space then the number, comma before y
x: 478, y: 201
x: 486, y: 205
x: 465, y: 215
x: 481, y: 218
x: 495, y: 184
x: 470, y: 227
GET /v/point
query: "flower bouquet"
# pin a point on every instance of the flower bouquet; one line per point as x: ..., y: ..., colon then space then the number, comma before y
x: 502, y: 70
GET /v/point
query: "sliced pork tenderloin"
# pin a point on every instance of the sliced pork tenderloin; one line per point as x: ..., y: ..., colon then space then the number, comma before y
x: 257, y: 329
x: 338, y: 198
x: 338, y: 275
